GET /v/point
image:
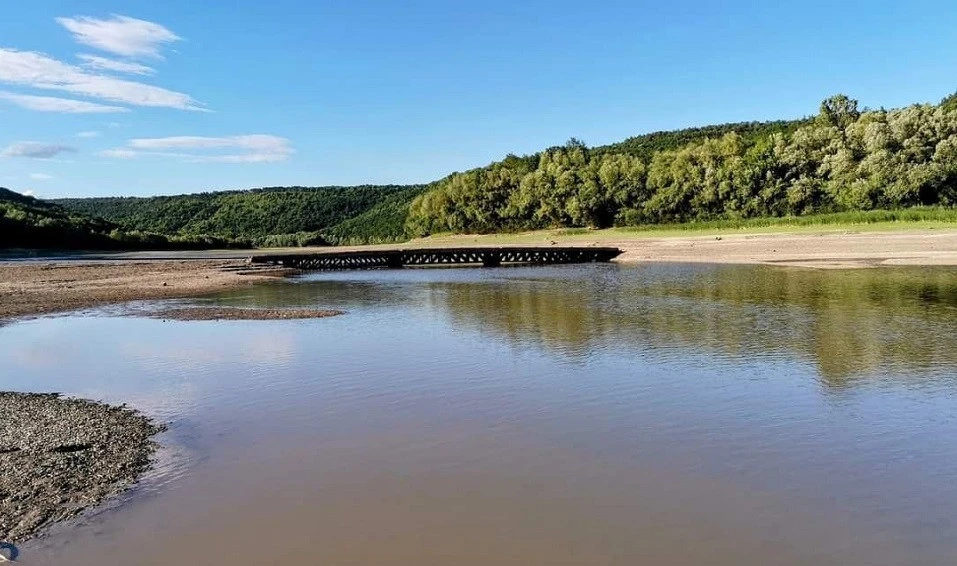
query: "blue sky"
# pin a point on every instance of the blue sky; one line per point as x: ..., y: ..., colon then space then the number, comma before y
x: 138, y: 98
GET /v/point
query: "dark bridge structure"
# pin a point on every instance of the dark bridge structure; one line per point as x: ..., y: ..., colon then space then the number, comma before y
x: 487, y: 257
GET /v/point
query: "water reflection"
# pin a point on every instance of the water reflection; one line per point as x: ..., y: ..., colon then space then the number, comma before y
x: 853, y: 326
x: 850, y: 324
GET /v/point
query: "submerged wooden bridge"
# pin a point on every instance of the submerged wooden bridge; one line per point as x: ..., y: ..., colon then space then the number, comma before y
x: 487, y: 257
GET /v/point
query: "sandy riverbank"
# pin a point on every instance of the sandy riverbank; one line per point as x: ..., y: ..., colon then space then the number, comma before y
x: 31, y: 288
x: 820, y: 250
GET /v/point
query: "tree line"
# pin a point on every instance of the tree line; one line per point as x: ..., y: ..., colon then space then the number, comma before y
x: 26, y: 222
x: 842, y: 159
x: 268, y: 217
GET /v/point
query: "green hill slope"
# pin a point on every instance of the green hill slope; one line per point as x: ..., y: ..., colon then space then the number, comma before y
x: 26, y: 222
x: 842, y: 160
x: 30, y: 223
x: 268, y: 216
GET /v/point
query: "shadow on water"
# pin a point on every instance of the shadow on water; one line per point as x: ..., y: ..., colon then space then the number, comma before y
x: 852, y: 325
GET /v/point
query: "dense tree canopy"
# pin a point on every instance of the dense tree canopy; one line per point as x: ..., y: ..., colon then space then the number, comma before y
x: 26, y: 222
x: 268, y: 217
x: 842, y: 160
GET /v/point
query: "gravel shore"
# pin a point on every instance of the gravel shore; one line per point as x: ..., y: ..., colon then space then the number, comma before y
x: 60, y: 456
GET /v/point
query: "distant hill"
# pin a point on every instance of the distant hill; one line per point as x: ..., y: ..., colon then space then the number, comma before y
x: 266, y: 216
x: 26, y: 222
x: 30, y: 223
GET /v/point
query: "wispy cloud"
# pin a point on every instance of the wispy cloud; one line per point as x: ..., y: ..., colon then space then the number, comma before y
x: 36, y: 150
x: 118, y: 153
x: 28, y: 194
x: 89, y: 134
x: 105, y: 64
x: 254, y: 148
x: 40, y: 176
x: 54, y: 104
x: 120, y: 35
x: 43, y: 72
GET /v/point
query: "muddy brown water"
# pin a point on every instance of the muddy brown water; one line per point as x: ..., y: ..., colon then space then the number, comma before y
x: 597, y: 414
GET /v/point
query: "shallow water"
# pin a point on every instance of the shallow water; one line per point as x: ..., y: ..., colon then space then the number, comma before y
x: 598, y: 414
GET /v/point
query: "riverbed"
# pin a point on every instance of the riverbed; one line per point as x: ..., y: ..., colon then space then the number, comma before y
x: 593, y: 414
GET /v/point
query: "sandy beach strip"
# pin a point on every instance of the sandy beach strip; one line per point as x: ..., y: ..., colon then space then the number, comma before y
x: 33, y: 288
x: 826, y: 250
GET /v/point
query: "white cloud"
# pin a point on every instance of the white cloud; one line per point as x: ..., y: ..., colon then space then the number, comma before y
x: 28, y: 193
x: 40, y: 71
x: 35, y: 150
x: 53, y: 104
x: 118, y: 153
x: 254, y: 148
x: 120, y: 35
x: 104, y: 64
x: 40, y: 176
x: 89, y: 134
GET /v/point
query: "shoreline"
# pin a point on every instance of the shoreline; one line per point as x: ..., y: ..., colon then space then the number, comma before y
x: 39, y: 287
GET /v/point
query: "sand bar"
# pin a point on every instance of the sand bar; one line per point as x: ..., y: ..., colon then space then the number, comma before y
x: 32, y: 288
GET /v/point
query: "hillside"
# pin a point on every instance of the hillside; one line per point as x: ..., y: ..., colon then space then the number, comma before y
x: 30, y: 223
x: 841, y: 160
x: 267, y: 216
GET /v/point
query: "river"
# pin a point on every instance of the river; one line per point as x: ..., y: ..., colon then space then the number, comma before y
x: 595, y: 414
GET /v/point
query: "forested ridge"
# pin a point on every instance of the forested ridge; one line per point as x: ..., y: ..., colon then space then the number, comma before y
x: 843, y: 159
x: 272, y: 216
x: 27, y: 222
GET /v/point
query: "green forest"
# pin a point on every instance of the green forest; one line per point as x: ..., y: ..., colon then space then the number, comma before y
x: 843, y: 159
x: 267, y: 217
x: 30, y: 223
